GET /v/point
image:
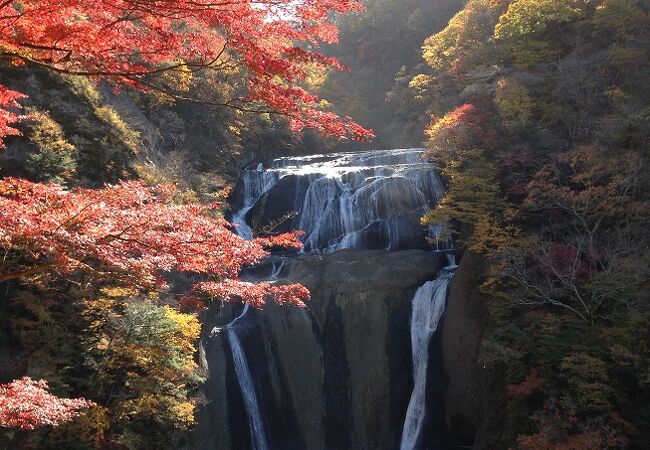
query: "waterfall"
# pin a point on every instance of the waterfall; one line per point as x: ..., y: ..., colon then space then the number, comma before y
x: 254, y: 184
x: 366, y: 200
x: 428, y: 306
x: 245, y: 379
x: 361, y: 200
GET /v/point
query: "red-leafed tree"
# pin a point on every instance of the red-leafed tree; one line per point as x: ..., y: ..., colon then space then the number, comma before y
x: 8, y: 101
x: 133, y: 42
x: 27, y: 404
x: 463, y: 128
x: 584, y: 258
x: 132, y: 234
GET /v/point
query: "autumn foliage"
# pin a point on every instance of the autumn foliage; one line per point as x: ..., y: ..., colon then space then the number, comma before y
x: 27, y: 404
x: 136, y: 42
x: 128, y: 232
x: 531, y: 383
x: 557, y: 204
x: 8, y: 103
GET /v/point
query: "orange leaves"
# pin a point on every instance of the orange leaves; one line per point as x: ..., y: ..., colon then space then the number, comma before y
x: 289, y: 294
x: 130, y: 233
x: 27, y: 404
x: 128, y: 227
x: 530, y: 384
x: 464, y: 128
x: 289, y: 241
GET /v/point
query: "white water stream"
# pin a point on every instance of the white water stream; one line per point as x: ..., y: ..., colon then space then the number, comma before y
x: 245, y: 380
x: 428, y: 306
x: 370, y: 199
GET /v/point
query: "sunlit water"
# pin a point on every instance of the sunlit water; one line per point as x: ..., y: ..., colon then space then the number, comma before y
x: 349, y: 200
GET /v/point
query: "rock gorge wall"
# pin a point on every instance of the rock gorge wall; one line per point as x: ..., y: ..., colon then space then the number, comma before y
x: 333, y: 376
x: 473, y: 393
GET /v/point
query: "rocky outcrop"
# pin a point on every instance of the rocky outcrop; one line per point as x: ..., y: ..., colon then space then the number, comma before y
x: 471, y: 397
x: 333, y: 376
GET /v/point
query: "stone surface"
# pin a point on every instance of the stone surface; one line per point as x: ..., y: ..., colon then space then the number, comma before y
x: 336, y: 375
x: 471, y: 397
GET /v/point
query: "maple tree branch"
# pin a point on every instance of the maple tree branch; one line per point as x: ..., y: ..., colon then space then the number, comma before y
x: 27, y: 272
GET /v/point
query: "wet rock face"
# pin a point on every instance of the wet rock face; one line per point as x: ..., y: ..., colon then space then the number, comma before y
x: 471, y: 398
x: 334, y: 376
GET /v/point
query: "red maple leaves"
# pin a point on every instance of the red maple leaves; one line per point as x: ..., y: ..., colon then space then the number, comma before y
x: 132, y: 41
x: 133, y: 234
x: 8, y: 102
x: 27, y: 404
x: 255, y: 294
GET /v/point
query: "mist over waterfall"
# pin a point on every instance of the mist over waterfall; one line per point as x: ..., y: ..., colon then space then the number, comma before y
x: 337, y: 374
x: 345, y: 200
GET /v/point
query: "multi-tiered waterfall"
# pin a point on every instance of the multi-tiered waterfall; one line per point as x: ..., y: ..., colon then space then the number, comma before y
x: 347, y: 200
x: 335, y: 375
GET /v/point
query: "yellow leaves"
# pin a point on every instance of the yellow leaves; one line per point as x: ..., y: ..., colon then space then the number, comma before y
x: 621, y: 16
x: 189, y: 329
x: 184, y: 414
x: 178, y: 80
x: 473, y: 197
x: 616, y: 95
x: 127, y: 135
x: 316, y: 75
x: 144, y: 354
x: 84, y: 87
x: 523, y: 25
x: 492, y: 234
x: 45, y: 132
x: 466, y: 30
x: 528, y: 17
x: 513, y: 101
x: 90, y: 426
x: 588, y: 379
x: 420, y: 85
x: 625, y: 58
x: 54, y: 159
x: 118, y: 292
x: 528, y: 54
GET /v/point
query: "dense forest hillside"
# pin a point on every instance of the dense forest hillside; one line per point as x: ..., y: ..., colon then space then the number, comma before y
x: 80, y: 133
x: 540, y: 126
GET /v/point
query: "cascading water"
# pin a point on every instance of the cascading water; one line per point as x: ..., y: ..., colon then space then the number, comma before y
x: 428, y: 307
x: 253, y: 184
x: 368, y: 200
x: 245, y: 380
x: 256, y: 425
x: 346, y: 200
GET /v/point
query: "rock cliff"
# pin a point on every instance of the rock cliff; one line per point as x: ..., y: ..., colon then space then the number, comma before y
x: 472, y: 393
x: 333, y: 376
